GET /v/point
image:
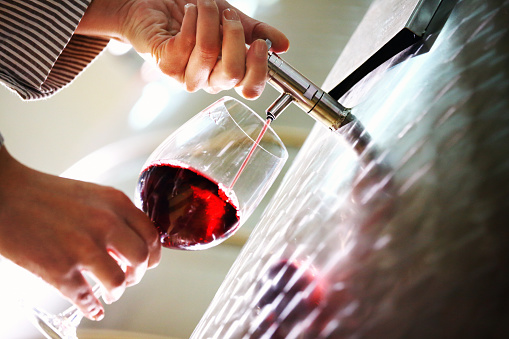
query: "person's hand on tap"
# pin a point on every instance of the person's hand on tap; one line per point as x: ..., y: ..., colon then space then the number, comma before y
x: 200, y: 43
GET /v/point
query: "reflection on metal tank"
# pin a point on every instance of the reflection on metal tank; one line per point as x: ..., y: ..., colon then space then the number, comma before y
x: 410, y: 239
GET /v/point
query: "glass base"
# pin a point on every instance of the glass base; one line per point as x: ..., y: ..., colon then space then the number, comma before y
x: 54, y: 326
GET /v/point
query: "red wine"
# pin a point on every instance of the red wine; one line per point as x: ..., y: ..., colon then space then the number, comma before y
x: 251, y: 151
x: 291, y: 293
x: 189, y: 210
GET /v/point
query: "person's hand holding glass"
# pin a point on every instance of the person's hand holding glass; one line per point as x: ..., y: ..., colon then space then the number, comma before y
x: 199, y: 186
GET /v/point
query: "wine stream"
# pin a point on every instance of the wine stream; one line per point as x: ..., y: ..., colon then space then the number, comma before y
x: 251, y: 151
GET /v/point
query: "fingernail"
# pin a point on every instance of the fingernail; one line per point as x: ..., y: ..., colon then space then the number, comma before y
x: 97, y: 313
x: 260, y: 48
x: 187, y: 6
x: 231, y: 14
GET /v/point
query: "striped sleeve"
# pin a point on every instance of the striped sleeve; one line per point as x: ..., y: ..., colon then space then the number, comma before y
x: 39, y: 54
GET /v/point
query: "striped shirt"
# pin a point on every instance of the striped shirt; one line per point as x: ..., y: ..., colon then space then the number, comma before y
x: 39, y: 52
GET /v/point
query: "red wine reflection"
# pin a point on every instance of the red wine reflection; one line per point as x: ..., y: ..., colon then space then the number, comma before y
x: 292, y: 290
x: 189, y: 210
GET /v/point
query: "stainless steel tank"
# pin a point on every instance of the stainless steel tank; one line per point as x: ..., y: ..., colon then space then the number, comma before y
x: 408, y: 238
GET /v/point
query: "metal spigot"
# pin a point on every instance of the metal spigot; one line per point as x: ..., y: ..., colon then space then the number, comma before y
x: 296, y: 88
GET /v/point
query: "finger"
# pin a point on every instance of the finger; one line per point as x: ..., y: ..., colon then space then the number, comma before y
x: 138, y: 244
x: 230, y: 70
x: 107, y: 271
x: 183, y: 3
x: 254, y: 30
x: 255, y: 79
x: 131, y: 252
x: 80, y: 293
x: 145, y: 230
x: 208, y: 45
x: 179, y: 49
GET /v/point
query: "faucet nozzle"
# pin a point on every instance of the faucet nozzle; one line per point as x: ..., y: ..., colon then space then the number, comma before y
x: 294, y: 87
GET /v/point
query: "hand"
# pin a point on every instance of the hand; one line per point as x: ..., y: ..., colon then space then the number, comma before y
x: 202, y: 44
x: 59, y: 228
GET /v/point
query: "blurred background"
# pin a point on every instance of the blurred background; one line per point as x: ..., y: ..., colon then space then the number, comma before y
x: 103, y: 127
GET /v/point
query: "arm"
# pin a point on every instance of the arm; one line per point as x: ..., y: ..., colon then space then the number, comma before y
x: 202, y: 43
x: 187, y: 50
x: 39, y: 54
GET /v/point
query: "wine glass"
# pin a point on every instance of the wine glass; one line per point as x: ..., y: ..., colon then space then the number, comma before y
x: 198, y: 187
x: 59, y: 326
x: 204, y: 181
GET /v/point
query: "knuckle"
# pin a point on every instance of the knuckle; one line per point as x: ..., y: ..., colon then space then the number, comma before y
x: 169, y: 70
x: 154, y: 245
x: 117, y: 278
x: 191, y: 88
x: 72, y: 285
x: 189, y: 41
x: 88, y: 247
x: 141, y: 255
x: 213, y: 90
x: 236, y: 30
x: 196, y: 78
x: 209, y: 6
x: 154, y: 237
x: 115, y: 195
x: 83, y: 296
x: 65, y: 279
x: 234, y: 74
x: 155, y: 259
x: 209, y: 53
x: 103, y: 221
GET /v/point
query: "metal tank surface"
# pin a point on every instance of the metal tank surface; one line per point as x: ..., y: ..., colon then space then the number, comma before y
x: 406, y: 238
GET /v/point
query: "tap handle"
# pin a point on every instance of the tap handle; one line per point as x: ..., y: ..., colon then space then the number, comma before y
x: 296, y: 88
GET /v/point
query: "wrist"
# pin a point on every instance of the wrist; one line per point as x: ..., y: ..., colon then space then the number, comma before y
x: 102, y: 19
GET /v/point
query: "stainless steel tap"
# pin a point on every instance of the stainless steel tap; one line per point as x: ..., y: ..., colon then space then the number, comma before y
x: 295, y: 87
